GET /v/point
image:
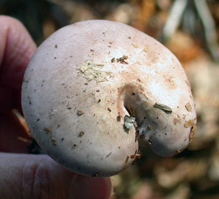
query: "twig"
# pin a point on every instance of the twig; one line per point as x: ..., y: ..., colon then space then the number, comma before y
x: 174, y: 18
x: 209, y: 27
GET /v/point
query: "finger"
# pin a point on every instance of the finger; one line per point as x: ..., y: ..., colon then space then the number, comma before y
x: 13, y: 135
x: 38, y: 176
x: 16, y: 49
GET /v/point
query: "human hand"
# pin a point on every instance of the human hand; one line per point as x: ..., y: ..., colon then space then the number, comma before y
x: 23, y: 175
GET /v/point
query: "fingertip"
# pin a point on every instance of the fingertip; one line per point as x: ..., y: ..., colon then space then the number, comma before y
x: 90, y: 187
x: 13, y: 33
x: 16, y: 50
x: 38, y: 176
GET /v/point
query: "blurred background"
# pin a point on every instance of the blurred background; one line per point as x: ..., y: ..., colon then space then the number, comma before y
x: 190, y: 29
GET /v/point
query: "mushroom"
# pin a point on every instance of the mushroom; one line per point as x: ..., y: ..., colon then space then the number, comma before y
x: 93, y: 88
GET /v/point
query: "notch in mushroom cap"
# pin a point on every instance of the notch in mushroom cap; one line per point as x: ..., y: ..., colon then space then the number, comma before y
x: 95, y: 86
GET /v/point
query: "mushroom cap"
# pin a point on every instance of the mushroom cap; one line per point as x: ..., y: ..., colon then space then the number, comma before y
x: 92, y: 86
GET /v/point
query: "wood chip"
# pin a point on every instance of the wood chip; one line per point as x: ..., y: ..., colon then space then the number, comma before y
x: 188, y: 107
x: 80, y: 112
x: 118, y: 118
x: 145, y: 49
x: 163, y: 107
x: 192, y: 133
x: 108, y: 154
x: 113, y: 60
x: 189, y: 123
x: 47, y: 129
x: 53, y: 141
x: 81, y: 133
x: 175, y: 120
x: 25, y: 140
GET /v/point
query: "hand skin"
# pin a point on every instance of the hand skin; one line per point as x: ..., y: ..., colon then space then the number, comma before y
x: 25, y: 176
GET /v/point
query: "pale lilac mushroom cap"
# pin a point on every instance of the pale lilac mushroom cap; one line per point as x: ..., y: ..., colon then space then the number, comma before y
x: 93, y: 88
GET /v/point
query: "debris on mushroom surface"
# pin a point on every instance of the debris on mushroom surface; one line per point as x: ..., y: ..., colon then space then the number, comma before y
x: 129, y: 122
x: 141, y: 91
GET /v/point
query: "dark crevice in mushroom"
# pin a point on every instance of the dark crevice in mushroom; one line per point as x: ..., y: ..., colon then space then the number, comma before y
x: 141, y: 114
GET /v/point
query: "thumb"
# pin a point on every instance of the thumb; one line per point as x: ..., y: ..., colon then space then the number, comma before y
x: 38, y: 176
